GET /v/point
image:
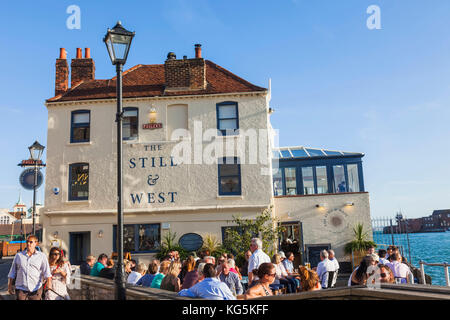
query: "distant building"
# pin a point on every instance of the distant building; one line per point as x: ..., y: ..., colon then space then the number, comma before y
x: 438, y: 221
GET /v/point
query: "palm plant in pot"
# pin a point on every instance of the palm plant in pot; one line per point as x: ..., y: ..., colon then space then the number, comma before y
x: 360, y: 243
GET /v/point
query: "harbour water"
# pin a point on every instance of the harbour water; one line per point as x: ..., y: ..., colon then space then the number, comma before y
x: 430, y: 247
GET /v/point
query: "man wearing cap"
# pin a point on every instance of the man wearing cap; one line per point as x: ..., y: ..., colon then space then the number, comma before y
x: 29, y: 270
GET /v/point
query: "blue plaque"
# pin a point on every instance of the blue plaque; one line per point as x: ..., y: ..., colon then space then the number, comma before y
x: 26, y: 179
x: 191, y: 241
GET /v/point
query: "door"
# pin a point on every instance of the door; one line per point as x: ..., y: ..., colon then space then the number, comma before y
x: 313, y: 253
x: 80, y: 247
x: 292, y: 240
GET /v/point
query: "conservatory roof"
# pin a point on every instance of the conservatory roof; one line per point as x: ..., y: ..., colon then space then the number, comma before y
x: 306, y: 152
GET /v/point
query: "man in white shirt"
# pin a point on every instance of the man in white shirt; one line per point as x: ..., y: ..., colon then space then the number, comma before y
x: 323, y: 268
x: 401, y: 271
x: 258, y: 257
x: 134, y: 276
x: 29, y: 271
x: 334, y: 266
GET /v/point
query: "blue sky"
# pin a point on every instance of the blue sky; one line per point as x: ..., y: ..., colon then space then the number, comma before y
x: 335, y: 83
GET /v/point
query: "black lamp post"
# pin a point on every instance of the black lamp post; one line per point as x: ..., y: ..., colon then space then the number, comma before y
x: 118, y: 41
x: 36, y: 150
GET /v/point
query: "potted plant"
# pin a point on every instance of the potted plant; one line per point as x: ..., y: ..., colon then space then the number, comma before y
x: 359, y: 245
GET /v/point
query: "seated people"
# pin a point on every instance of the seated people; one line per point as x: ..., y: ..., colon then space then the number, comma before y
x: 146, y: 280
x: 266, y: 275
x: 86, y: 266
x: 209, y: 288
x: 109, y: 271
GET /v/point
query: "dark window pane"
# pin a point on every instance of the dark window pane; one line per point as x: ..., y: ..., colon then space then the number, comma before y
x: 149, y: 237
x: 229, y: 170
x: 128, y: 238
x: 230, y: 184
x: 80, y: 134
x: 79, y: 182
x: 80, y: 126
x: 130, y: 124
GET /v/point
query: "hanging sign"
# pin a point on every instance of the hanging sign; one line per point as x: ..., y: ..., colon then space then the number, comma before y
x: 191, y: 241
x: 26, y: 179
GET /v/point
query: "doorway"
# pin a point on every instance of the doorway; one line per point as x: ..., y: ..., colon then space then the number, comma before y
x: 291, y: 239
x: 80, y: 247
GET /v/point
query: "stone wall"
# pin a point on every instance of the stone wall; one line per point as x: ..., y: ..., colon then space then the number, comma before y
x: 95, y: 288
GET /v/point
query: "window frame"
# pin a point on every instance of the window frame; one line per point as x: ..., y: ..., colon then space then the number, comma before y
x: 82, y: 125
x: 224, y: 131
x: 235, y: 162
x: 70, y: 182
x: 328, y: 163
x: 136, y: 237
x: 137, y: 123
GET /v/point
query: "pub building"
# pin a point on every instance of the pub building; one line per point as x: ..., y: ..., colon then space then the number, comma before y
x: 169, y: 180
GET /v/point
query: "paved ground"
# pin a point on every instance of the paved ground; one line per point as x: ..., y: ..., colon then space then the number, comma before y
x: 5, y: 265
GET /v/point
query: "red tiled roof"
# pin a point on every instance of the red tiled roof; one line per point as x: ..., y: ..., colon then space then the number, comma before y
x: 148, y: 81
x: 7, y: 229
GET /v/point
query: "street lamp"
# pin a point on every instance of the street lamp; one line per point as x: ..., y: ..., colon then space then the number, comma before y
x: 118, y: 41
x: 36, y: 150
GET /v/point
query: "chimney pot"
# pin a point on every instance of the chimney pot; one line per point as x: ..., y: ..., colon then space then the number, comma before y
x: 198, y: 50
x: 79, y: 54
x: 62, y: 53
x: 87, y: 53
x: 171, y: 56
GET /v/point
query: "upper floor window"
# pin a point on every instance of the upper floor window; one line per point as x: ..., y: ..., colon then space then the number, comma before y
x: 229, y: 176
x: 80, y: 126
x: 227, y: 118
x: 130, y: 123
x: 318, y: 179
x: 79, y: 181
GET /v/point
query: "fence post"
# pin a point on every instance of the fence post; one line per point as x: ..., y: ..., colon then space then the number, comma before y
x: 422, y: 271
x: 447, y: 280
x: 411, y: 278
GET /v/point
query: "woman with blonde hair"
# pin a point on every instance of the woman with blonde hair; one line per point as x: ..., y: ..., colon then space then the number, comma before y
x: 163, y: 269
x: 171, y: 282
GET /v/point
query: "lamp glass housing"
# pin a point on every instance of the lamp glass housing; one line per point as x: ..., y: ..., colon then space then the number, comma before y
x: 36, y: 150
x: 118, y: 42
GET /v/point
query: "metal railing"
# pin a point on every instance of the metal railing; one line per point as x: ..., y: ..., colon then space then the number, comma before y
x: 445, y: 265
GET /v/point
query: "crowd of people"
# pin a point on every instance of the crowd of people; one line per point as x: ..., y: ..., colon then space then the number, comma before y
x: 211, y: 278
x: 388, y: 266
x: 34, y: 276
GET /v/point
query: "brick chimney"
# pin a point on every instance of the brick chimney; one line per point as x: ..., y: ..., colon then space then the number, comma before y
x: 62, y: 73
x: 185, y: 74
x: 82, y: 69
